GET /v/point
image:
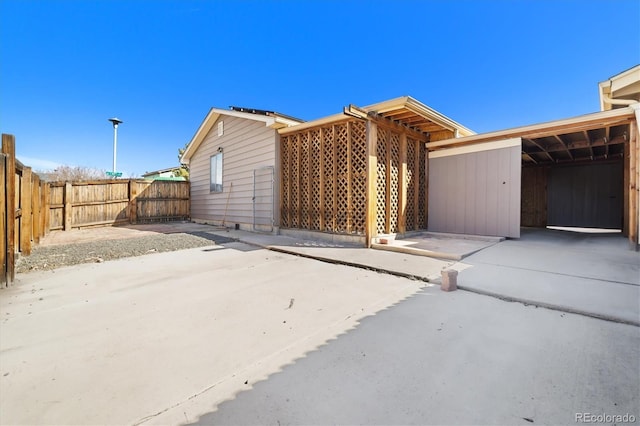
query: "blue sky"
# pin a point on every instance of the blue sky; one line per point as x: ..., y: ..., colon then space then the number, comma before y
x: 68, y: 66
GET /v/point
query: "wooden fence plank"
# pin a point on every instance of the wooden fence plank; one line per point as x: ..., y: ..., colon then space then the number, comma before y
x: 44, y: 213
x: 3, y: 220
x: 9, y: 148
x: 68, y: 205
x: 26, y: 199
x: 36, y: 206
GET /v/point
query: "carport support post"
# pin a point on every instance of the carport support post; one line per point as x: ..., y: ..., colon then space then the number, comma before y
x: 634, y: 153
x: 372, y: 175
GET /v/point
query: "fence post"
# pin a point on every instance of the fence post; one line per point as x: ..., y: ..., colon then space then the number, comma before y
x: 9, y: 148
x: 68, y: 208
x: 3, y: 220
x: 133, y: 204
x: 35, y: 208
x: 27, y: 230
x: 45, y: 191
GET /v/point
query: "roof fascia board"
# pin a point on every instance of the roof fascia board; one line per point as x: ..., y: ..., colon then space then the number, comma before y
x: 583, y: 122
x: 309, y: 124
x: 201, y: 133
x: 214, y: 113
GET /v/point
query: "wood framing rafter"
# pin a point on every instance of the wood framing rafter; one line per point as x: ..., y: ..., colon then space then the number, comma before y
x: 360, y: 113
x: 588, y: 139
x: 566, y: 148
x: 542, y: 150
x: 529, y: 157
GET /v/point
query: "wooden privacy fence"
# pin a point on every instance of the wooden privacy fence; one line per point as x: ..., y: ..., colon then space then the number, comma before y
x: 354, y: 177
x: 23, y: 209
x: 113, y: 202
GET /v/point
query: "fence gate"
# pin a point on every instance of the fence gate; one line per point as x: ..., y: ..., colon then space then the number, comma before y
x: 263, y: 199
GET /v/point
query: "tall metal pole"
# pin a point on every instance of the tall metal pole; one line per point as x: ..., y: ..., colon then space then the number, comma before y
x: 115, y: 122
x: 115, y: 144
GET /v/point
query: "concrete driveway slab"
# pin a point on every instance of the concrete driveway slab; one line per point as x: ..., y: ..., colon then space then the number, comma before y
x: 593, y: 274
x: 124, y: 341
x: 453, y: 359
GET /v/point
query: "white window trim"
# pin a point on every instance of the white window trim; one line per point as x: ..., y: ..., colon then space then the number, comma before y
x: 216, y: 186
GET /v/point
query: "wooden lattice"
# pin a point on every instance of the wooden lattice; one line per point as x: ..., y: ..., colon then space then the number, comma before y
x: 328, y: 179
x: 394, y: 205
x: 342, y: 178
x: 304, y: 180
x: 324, y: 180
x: 315, y: 172
x: 422, y: 214
x: 294, y: 156
x: 358, y: 159
x: 284, y: 187
x: 381, y: 182
x: 410, y: 212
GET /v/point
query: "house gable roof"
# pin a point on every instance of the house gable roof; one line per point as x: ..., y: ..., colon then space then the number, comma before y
x: 269, y: 118
x: 620, y: 90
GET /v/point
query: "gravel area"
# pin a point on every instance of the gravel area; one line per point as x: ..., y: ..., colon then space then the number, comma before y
x: 52, y: 257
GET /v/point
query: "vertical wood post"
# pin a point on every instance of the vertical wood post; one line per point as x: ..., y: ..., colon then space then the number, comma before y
x: 309, y: 179
x: 27, y: 217
x: 133, y: 204
x: 321, y: 166
x: 45, y: 192
x: 625, y: 197
x: 402, y: 185
x: 372, y: 175
x: 299, y: 180
x: 633, y: 185
x: 36, y: 208
x: 3, y: 220
x: 68, y: 206
x: 416, y: 186
x: 334, y: 202
x: 9, y: 148
x: 387, y: 219
x: 349, y: 177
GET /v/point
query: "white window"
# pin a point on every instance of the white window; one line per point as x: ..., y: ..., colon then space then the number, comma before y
x: 216, y: 173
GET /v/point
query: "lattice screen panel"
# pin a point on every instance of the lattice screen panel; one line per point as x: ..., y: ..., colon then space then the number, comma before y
x: 381, y: 182
x: 304, y: 180
x: 422, y: 214
x: 294, y: 156
x: 315, y: 172
x: 324, y: 180
x: 328, y: 180
x: 410, y: 213
x: 342, y: 178
x: 394, y: 205
x: 358, y: 177
x: 284, y: 185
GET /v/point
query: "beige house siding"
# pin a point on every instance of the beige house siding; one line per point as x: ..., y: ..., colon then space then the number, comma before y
x: 247, y: 145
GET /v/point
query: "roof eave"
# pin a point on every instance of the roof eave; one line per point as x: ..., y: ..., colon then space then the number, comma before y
x: 611, y: 117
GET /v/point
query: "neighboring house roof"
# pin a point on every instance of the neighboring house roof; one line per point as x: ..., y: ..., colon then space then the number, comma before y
x: 405, y: 110
x: 269, y: 118
x: 620, y: 90
x: 161, y: 171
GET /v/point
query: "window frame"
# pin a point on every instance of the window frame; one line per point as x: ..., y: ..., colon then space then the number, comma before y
x: 216, y: 187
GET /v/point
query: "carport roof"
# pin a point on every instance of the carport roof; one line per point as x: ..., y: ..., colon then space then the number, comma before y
x: 594, y: 136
